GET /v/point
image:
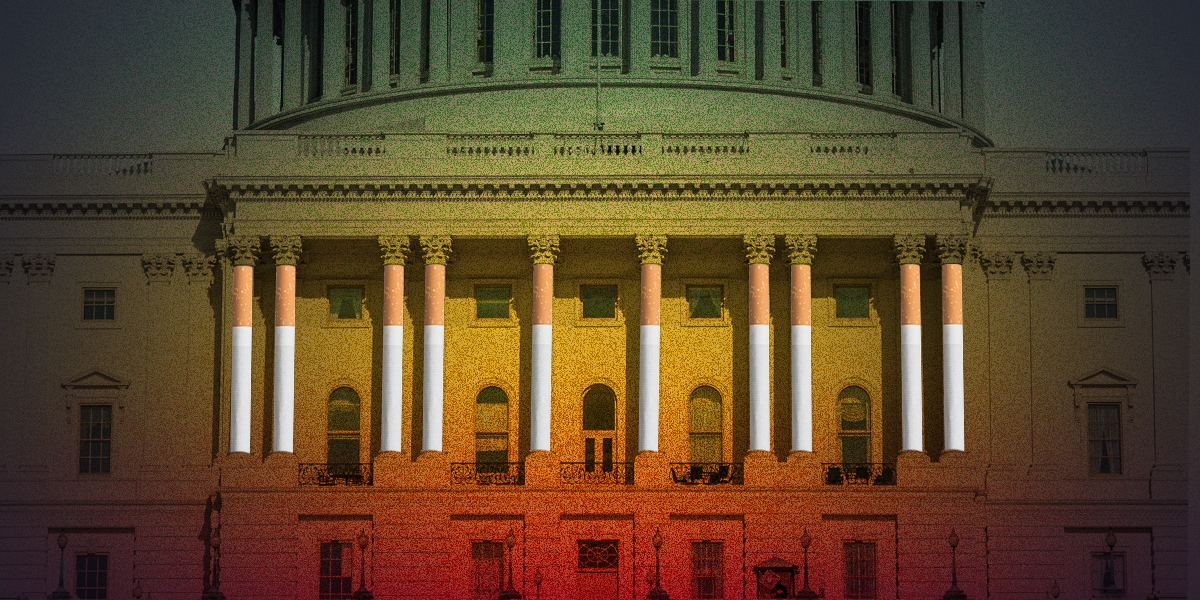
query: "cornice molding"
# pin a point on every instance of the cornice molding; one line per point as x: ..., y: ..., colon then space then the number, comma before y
x: 94, y: 208
x: 1086, y: 208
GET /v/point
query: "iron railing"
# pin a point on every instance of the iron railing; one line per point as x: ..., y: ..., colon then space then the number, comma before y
x: 488, y: 473
x: 858, y: 473
x: 707, y: 473
x: 336, y: 474
x: 596, y: 472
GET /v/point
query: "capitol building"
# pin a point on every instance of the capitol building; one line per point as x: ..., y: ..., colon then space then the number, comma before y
x: 609, y: 300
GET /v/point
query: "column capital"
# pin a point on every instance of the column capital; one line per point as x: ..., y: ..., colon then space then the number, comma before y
x: 198, y: 267
x: 651, y: 248
x: 996, y: 264
x: 240, y: 251
x: 394, y: 249
x: 158, y: 266
x: 759, y: 248
x: 1039, y: 265
x: 38, y: 267
x: 435, y: 249
x: 6, y: 267
x: 952, y: 249
x: 801, y: 248
x: 543, y: 249
x: 1159, y: 265
x: 285, y: 249
x: 909, y: 248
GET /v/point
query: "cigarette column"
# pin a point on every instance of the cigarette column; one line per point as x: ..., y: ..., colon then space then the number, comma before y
x: 651, y: 250
x: 395, y: 253
x: 908, y: 251
x: 287, y: 252
x: 951, y: 250
x: 800, y: 254
x: 243, y: 253
x: 544, y: 249
x: 436, y: 251
x: 758, y: 253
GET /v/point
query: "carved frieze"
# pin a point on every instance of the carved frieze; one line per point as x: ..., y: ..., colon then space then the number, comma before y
x: 1159, y: 265
x: 38, y: 267
x: 394, y: 249
x: 952, y: 249
x: 997, y: 264
x: 1039, y: 265
x: 543, y: 249
x: 651, y: 248
x: 435, y: 249
x: 909, y: 249
x: 801, y: 248
x: 286, y: 249
x: 158, y: 266
x: 242, y: 251
x: 759, y: 248
x: 198, y: 267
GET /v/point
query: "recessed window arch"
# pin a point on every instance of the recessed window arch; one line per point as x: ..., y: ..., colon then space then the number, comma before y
x: 491, y: 429
x: 705, y: 418
x: 599, y: 426
x: 343, y: 417
x: 854, y: 424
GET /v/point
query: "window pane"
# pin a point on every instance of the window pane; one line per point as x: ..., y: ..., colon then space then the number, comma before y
x: 342, y: 451
x: 726, y: 27
x: 491, y: 410
x: 704, y: 409
x: 343, y: 410
x: 485, y: 14
x: 487, y: 570
x: 704, y: 302
x: 855, y: 408
x: 1104, y: 438
x: 664, y: 28
x: 491, y: 448
x: 606, y: 27
x: 1108, y: 575
x: 856, y: 449
x: 95, y: 438
x: 1100, y: 302
x: 598, y: 554
x: 491, y: 302
x: 599, y: 409
x: 853, y: 302
x: 859, y: 562
x: 599, y: 301
x: 345, y: 303
x: 707, y: 570
x: 99, y: 305
x: 336, y: 571
x: 91, y: 576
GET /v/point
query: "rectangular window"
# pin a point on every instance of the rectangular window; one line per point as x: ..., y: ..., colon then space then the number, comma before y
x: 936, y: 39
x: 394, y: 37
x: 705, y: 301
x: 91, y: 576
x: 313, y: 18
x: 345, y: 302
x: 599, y: 301
x: 99, y: 305
x: 1100, y: 303
x: 1104, y: 439
x: 1108, y: 575
x: 816, y: 44
x: 902, y: 50
x: 336, y: 571
x: 862, y: 45
x: 547, y: 26
x: 95, y: 438
x: 783, y: 34
x: 707, y: 570
x: 726, y: 31
x: 350, y: 46
x: 664, y: 28
x: 426, y: 10
x: 492, y: 302
x: 487, y: 570
x: 485, y: 32
x: 606, y: 28
x: 859, y: 559
x: 856, y: 449
x: 852, y: 301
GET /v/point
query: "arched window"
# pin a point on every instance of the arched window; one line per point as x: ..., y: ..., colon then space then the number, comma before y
x: 854, y: 418
x: 343, y: 427
x: 491, y: 429
x: 704, y: 418
x: 599, y: 423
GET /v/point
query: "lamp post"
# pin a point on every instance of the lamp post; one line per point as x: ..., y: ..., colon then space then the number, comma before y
x: 1054, y: 591
x: 537, y: 581
x: 214, y: 592
x: 61, y: 592
x: 510, y: 593
x: 806, y: 592
x: 137, y: 589
x: 362, y: 593
x: 656, y: 592
x: 954, y: 593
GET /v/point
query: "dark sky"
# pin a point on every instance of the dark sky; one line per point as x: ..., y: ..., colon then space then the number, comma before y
x: 132, y: 76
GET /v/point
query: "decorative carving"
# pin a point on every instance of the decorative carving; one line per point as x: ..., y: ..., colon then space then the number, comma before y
x: 1159, y: 265
x: 394, y: 249
x: 909, y: 249
x: 952, y: 249
x: 801, y: 248
x: 286, y: 249
x: 997, y: 265
x: 198, y: 267
x: 651, y: 248
x: 544, y: 249
x: 38, y: 267
x: 1039, y: 265
x: 759, y: 248
x: 435, y: 249
x: 6, y: 267
x: 159, y: 267
x: 242, y: 251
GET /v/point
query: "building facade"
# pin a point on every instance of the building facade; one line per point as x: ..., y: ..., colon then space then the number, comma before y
x: 607, y: 300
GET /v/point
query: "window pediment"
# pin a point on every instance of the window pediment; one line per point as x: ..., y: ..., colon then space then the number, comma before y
x: 1103, y: 382
x: 95, y: 380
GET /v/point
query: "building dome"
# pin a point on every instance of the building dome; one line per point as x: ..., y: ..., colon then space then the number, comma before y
x: 502, y: 66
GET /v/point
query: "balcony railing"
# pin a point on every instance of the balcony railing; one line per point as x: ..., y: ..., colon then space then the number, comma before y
x: 706, y: 473
x: 620, y: 473
x: 487, y: 473
x: 335, y: 474
x: 859, y: 473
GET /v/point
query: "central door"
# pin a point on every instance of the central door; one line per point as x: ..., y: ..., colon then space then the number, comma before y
x: 599, y: 429
x: 596, y: 570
